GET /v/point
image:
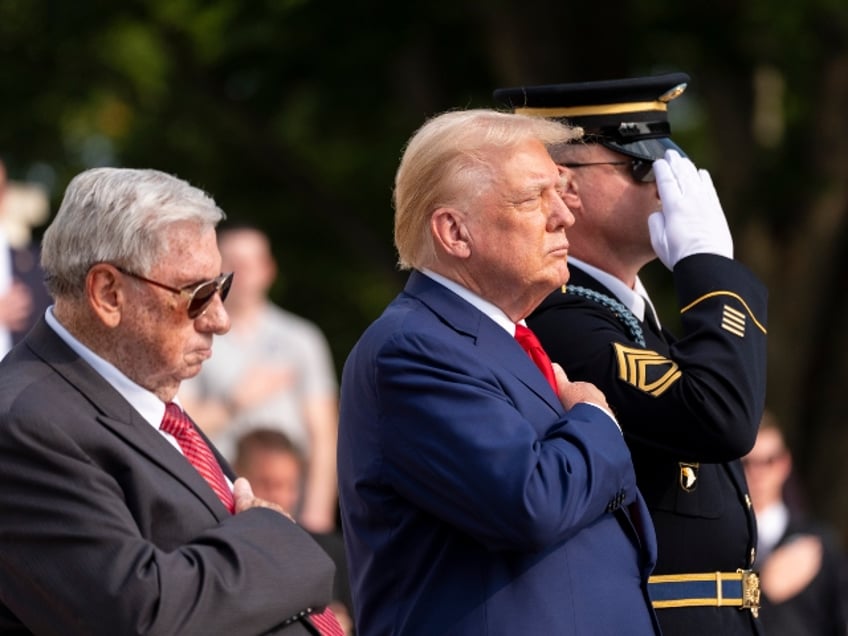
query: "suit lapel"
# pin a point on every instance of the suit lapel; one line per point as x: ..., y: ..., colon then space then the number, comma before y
x: 497, y: 347
x: 507, y: 353
x: 148, y: 442
x: 120, y: 418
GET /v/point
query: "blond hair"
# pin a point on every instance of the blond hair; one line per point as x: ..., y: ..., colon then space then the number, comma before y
x: 448, y: 161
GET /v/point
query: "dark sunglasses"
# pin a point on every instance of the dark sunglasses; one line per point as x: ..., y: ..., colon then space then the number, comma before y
x: 199, y: 296
x: 641, y: 170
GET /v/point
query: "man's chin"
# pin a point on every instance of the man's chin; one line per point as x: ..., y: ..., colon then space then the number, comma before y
x: 192, y: 368
x: 561, y: 278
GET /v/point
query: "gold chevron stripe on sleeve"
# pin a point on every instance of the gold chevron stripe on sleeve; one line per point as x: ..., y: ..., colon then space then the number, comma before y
x: 697, y: 301
x: 646, y: 370
x: 733, y: 321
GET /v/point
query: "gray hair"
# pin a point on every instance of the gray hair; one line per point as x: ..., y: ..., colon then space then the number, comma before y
x: 448, y: 162
x: 121, y: 216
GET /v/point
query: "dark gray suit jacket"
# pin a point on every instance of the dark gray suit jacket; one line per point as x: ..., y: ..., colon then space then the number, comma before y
x: 105, y: 528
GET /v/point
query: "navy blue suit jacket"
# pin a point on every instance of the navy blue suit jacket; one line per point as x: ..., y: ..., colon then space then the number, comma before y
x: 471, y: 502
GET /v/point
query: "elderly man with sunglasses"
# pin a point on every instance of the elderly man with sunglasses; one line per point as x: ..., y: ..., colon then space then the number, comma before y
x: 689, y: 406
x: 116, y: 515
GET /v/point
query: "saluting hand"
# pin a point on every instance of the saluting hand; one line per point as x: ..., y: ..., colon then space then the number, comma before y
x: 691, y: 220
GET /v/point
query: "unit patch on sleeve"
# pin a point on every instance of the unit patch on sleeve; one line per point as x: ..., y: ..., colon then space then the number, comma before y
x: 647, y: 370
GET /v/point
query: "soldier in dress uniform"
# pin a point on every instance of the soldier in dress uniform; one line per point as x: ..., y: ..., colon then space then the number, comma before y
x: 689, y: 405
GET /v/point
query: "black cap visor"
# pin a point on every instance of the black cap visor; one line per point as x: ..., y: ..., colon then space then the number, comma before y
x: 645, y: 149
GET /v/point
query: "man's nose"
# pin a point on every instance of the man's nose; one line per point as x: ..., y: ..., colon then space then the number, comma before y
x: 215, y: 318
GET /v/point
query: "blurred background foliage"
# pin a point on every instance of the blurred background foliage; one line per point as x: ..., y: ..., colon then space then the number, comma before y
x: 293, y: 115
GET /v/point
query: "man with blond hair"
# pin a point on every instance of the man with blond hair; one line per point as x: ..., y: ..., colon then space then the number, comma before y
x: 481, y: 491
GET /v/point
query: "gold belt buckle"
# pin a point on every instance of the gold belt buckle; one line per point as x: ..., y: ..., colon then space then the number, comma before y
x: 750, y: 591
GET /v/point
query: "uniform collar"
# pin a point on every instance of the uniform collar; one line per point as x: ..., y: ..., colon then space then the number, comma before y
x: 636, y: 299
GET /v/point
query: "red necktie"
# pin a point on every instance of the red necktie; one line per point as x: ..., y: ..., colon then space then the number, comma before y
x: 197, y: 451
x: 530, y: 343
x: 327, y: 623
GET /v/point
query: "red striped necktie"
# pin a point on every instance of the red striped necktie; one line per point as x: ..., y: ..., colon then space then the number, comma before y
x: 530, y: 343
x: 197, y: 451
x: 327, y: 623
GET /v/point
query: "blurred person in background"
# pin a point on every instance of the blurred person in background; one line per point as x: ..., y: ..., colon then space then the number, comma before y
x: 802, y: 568
x: 690, y: 405
x: 272, y: 369
x: 277, y: 469
x: 23, y: 294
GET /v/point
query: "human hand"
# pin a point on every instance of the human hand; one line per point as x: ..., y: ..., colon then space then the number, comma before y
x: 691, y: 220
x: 245, y: 499
x: 317, y: 520
x: 791, y: 567
x: 571, y: 393
x: 259, y: 383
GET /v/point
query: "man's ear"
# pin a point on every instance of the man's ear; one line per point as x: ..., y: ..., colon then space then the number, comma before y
x: 571, y: 190
x: 450, y: 232
x: 106, y: 294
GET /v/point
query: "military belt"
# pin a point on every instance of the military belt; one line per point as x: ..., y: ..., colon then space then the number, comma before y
x: 739, y: 589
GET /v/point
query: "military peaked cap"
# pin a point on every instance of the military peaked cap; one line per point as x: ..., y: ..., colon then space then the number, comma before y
x: 629, y: 116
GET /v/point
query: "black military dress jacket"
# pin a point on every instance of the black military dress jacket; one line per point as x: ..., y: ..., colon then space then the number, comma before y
x: 689, y: 407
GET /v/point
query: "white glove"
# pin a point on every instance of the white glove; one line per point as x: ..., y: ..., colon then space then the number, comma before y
x: 691, y: 220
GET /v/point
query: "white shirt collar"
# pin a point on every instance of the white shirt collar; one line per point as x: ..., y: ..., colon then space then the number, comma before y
x: 495, y: 314
x: 151, y: 408
x: 148, y: 404
x: 492, y: 311
x: 636, y: 300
